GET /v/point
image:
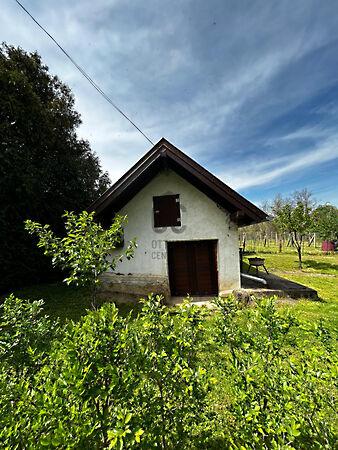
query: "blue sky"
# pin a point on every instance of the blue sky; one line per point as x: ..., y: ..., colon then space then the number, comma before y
x: 247, y: 88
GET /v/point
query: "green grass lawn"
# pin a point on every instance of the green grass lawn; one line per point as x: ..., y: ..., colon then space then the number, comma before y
x: 64, y: 302
x: 320, y: 272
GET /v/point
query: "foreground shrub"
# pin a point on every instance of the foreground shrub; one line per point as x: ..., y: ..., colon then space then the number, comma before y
x: 84, y: 396
x: 173, y: 386
x: 111, y: 382
x: 282, y: 377
x: 25, y: 334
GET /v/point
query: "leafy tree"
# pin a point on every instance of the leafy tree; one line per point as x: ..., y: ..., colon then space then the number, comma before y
x: 86, y: 249
x: 295, y: 217
x: 325, y: 222
x: 45, y: 168
x: 268, y: 227
x: 272, y: 208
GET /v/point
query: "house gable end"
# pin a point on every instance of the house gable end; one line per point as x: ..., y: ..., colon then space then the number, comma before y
x: 166, y: 156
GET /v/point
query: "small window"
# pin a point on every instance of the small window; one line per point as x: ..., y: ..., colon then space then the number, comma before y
x: 167, y: 211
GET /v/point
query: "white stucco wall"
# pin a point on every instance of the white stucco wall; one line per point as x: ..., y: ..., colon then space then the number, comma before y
x: 201, y: 219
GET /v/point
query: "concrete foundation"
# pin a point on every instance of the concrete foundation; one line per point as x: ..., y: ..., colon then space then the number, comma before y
x: 132, y: 287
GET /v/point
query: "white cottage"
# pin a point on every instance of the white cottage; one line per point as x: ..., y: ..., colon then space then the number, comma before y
x: 186, y: 224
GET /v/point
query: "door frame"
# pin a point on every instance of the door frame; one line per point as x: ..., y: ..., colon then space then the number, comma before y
x: 215, y: 241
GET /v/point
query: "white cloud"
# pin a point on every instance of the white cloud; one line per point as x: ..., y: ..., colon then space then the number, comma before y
x: 313, y: 132
x: 260, y: 173
x: 206, y: 87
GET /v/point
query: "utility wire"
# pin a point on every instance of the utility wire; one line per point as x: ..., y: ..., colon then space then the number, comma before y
x: 91, y: 81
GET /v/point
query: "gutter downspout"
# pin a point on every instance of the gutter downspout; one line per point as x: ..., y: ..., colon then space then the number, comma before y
x: 251, y: 277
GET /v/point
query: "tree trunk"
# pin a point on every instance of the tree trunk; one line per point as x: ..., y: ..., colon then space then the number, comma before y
x: 297, y: 242
x: 299, y: 251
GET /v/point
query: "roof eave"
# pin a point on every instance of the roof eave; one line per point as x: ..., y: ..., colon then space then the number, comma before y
x: 163, y: 154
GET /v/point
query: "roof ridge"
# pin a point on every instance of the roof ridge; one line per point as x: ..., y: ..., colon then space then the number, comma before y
x: 145, y: 169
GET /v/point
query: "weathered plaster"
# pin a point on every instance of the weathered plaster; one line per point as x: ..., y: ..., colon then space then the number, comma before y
x: 134, y: 286
x: 201, y: 219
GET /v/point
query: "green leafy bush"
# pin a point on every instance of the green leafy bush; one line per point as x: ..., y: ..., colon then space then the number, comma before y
x: 26, y: 337
x: 173, y: 384
x: 282, y: 380
x: 85, y: 252
x: 25, y: 334
x: 110, y: 381
x: 325, y: 221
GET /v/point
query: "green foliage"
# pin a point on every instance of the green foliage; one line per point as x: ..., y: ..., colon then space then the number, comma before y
x: 79, y: 398
x: 85, y: 250
x: 273, y: 208
x: 110, y: 382
x: 282, y: 386
x: 173, y: 385
x: 45, y: 168
x: 25, y: 334
x: 87, y: 391
x: 295, y: 218
x: 325, y: 222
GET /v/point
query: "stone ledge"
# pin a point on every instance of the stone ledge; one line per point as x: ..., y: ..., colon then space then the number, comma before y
x: 134, y: 285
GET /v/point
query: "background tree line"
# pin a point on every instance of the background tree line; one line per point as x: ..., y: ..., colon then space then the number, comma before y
x: 45, y: 168
x: 294, y: 219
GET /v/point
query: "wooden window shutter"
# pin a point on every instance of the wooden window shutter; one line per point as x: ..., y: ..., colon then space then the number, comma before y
x: 167, y: 211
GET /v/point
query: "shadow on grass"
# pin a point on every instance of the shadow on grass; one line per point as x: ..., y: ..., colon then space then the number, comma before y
x: 320, y: 266
x: 319, y: 300
x: 67, y: 302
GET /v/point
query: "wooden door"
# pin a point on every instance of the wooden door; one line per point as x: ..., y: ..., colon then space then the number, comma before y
x: 193, y: 268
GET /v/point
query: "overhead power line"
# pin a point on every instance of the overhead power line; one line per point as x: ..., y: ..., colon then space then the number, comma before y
x: 84, y: 73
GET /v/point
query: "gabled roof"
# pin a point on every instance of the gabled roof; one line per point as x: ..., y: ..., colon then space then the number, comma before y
x: 165, y: 155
